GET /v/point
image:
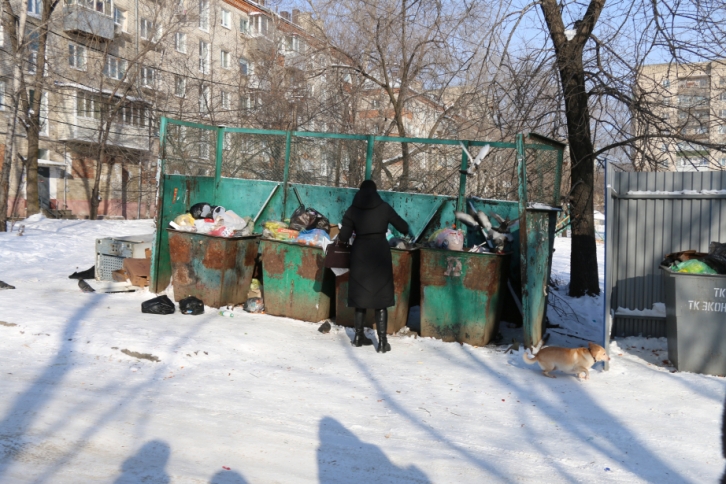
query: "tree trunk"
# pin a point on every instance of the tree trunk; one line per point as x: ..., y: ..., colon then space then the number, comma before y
x: 96, y: 191
x: 583, y: 257
x: 16, y: 32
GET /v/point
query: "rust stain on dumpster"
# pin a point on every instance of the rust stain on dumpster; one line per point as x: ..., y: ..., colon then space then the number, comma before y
x: 484, y: 277
x: 218, y: 255
x: 179, y: 249
x: 310, y: 265
x: 182, y: 276
x: 432, y: 274
x: 273, y: 262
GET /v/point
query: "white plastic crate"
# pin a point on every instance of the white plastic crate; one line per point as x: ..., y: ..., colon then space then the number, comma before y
x: 111, y: 252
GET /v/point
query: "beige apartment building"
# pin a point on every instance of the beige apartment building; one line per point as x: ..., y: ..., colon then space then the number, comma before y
x: 115, y: 66
x: 685, y: 121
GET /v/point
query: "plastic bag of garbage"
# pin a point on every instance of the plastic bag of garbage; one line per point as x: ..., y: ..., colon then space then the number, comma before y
x: 254, y: 305
x: 158, y: 305
x: 201, y: 210
x: 314, y: 237
x: 694, y: 266
x: 191, y: 305
x: 716, y: 258
x: 301, y: 219
x: 447, y: 238
x: 321, y: 221
x: 184, y: 220
x: 232, y: 220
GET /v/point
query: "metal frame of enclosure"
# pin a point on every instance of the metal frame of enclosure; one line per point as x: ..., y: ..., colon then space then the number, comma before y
x: 266, y: 174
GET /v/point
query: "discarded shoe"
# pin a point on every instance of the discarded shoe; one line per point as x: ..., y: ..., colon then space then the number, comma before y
x: 4, y: 285
x: 85, y: 287
x: 87, y: 274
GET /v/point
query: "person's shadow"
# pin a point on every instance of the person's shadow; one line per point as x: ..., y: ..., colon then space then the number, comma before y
x: 147, y: 465
x: 227, y: 477
x: 343, y: 457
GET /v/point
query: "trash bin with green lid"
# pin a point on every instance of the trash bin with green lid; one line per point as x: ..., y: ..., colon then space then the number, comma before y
x: 296, y: 283
x: 217, y: 270
x: 696, y: 321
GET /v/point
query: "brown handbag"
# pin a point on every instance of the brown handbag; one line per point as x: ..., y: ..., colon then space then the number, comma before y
x: 338, y: 256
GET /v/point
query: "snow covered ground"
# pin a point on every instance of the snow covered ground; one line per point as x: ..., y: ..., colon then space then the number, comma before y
x: 260, y: 399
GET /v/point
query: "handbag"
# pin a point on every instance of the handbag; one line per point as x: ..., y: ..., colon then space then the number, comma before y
x: 338, y: 256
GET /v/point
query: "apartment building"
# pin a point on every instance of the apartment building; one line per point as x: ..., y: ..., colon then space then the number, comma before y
x: 681, y: 116
x: 113, y: 67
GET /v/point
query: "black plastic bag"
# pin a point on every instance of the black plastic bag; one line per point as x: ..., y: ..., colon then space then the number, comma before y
x: 191, y: 305
x: 716, y: 258
x: 201, y: 210
x: 158, y: 305
x: 302, y: 219
x: 321, y: 221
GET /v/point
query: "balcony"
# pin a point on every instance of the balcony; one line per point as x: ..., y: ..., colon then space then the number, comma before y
x: 79, y: 19
x: 86, y: 130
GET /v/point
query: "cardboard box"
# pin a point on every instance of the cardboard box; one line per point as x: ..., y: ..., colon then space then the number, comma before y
x: 138, y: 271
x: 119, y: 275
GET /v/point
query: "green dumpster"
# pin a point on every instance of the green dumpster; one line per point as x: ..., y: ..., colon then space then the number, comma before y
x: 296, y: 283
x: 461, y: 295
x: 405, y: 264
x: 217, y: 270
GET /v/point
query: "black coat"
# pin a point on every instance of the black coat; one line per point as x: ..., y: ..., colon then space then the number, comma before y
x: 371, y: 270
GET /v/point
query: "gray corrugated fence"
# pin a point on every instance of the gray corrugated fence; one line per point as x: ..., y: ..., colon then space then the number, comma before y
x: 648, y: 217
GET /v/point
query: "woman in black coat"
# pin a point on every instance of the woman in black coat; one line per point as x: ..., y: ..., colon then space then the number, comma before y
x: 371, y: 268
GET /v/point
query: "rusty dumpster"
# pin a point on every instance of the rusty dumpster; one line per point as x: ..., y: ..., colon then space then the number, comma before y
x: 217, y: 270
x: 296, y: 283
x: 405, y: 264
x: 461, y: 295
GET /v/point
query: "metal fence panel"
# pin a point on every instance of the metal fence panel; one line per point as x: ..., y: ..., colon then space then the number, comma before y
x: 650, y: 215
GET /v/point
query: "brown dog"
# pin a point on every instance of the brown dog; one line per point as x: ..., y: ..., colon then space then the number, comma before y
x: 567, y: 360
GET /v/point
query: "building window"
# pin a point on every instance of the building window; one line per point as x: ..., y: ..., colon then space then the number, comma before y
x: 88, y: 105
x: 260, y: 25
x: 180, y: 42
x: 664, y: 147
x: 203, y: 100
x: 103, y: 6
x: 203, y: 57
x: 32, y: 58
x: 226, y: 18
x: 34, y: 7
x: 146, y: 29
x: 292, y: 43
x: 244, y: 26
x: 2, y: 95
x: 722, y: 97
x: 665, y: 83
x: 180, y: 86
x: 133, y: 115
x: 119, y: 18
x: 722, y: 162
x: 2, y: 35
x: 115, y: 68
x: 204, y: 15
x: 244, y: 66
x: 722, y: 129
x: 204, y: 150
x: 225, y: 59
x: 148, y: 76
x: 225, y: 100
x: 77, y: 56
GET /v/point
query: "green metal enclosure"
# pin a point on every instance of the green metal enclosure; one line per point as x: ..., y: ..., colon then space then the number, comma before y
x: 266, y: 174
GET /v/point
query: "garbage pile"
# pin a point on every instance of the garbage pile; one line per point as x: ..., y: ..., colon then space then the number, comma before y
x: 496, y: 239
x: 306, y: 226
x: 694, y: 262
x: 204, y: 218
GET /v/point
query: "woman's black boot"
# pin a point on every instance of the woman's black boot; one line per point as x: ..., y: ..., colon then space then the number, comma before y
x: 360, y: 338
x: 381, y: 327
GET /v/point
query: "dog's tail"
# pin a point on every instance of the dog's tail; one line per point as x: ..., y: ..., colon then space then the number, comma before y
x: 527, y: 359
